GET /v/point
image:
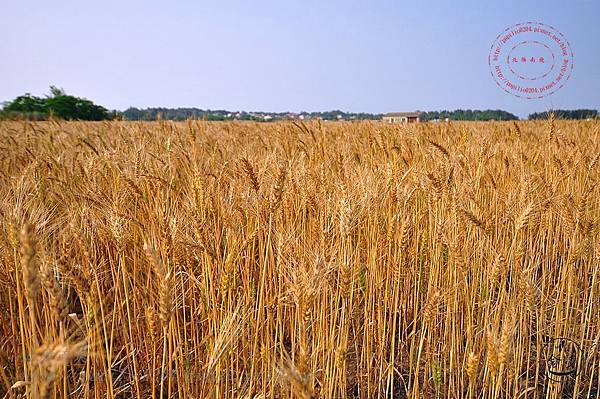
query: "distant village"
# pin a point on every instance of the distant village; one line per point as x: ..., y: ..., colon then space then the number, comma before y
x: 59, y: 104
x: 222, y: 115
x: 336, y: 115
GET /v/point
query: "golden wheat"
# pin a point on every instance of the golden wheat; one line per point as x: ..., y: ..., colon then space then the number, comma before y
x: 331, y: 260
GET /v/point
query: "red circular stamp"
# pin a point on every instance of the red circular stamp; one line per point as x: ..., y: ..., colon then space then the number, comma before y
x: 530, y: 60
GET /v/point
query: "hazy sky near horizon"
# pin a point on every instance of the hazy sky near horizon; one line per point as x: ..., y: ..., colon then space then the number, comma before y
x: 357, y: 56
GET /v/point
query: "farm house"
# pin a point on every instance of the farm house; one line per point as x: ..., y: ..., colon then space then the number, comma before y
x: 402, y: 117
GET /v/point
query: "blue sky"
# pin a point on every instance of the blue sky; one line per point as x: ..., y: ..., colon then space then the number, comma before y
x: 359, y: 56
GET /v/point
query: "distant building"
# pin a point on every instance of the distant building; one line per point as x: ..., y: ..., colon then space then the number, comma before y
x: 402, y: 117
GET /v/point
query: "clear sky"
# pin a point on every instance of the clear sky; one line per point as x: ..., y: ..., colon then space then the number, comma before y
x: 309, y: 55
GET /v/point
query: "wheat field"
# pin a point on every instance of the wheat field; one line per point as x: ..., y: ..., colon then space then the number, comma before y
x: 299, y: 260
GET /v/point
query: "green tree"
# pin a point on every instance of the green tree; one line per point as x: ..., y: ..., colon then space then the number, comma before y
x: 566, y: 114
x: 74, y: 108
x: 57, y: 104
x: 26, y: 106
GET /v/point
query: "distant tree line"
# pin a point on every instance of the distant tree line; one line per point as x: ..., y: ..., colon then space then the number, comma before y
x: 61, y: 105
x: 179, y: 114
x: 221, y: 115
x: 56, y: 104
x: 175, y: 114
x: 566, y: 114
x: 469, y: 115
